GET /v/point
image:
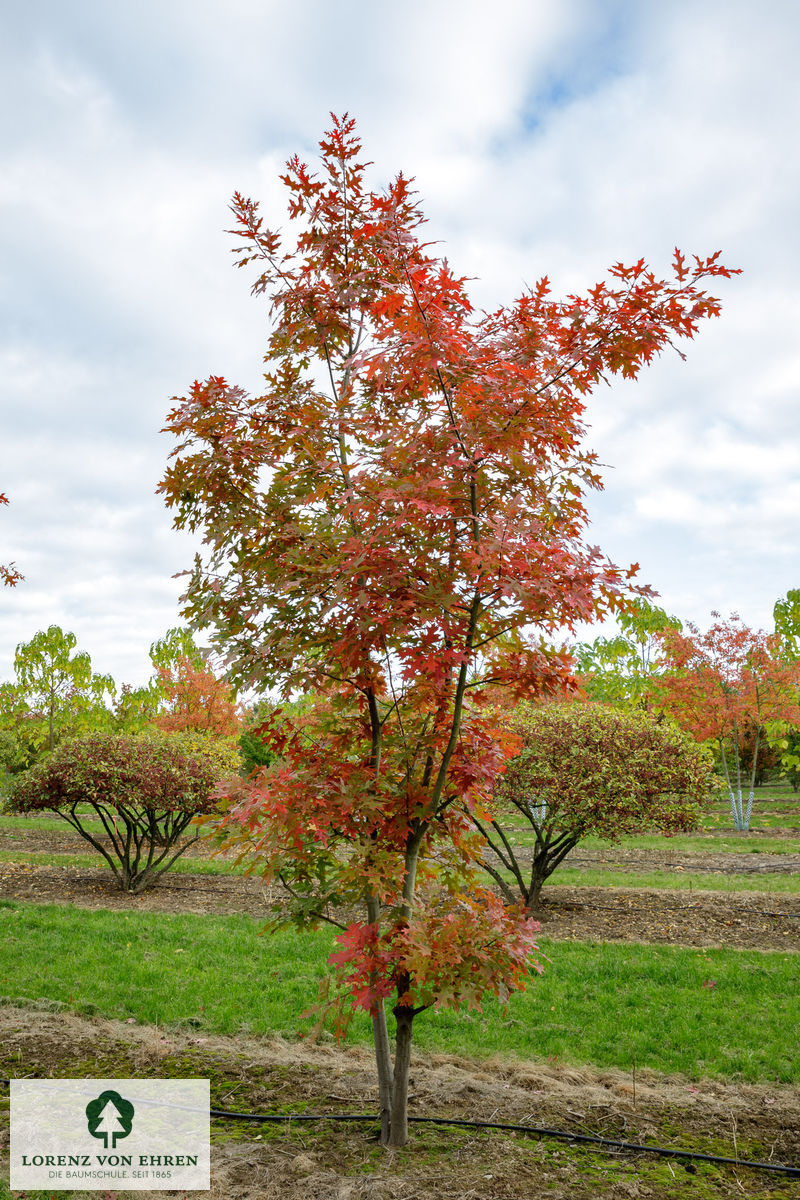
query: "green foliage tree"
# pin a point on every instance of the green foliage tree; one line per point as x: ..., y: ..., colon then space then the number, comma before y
x: 590, y: 769
x: 177, y: 643
x: 786, y: 740
x: 146, y: 790
x: 136, y: 708
x: 254, y: 742
x: 619, y: 670
x: 57, y: 695
x: 61, y: 693
x: 13, y: 759
x: 786, y: 614
x: 256, y: 751
x: 17, y: 749
x: 788, y: 744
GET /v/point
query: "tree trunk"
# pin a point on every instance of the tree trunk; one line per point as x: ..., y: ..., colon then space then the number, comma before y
x: 393, y: 1079
x: 380, y: 1040
x: 534, y: 897
x: 398, y: 1130
x: 540, y: 870
x: 383, y: 1061
x: 547, y: 855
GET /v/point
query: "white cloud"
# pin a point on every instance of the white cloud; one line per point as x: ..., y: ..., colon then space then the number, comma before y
x: 545, y: 137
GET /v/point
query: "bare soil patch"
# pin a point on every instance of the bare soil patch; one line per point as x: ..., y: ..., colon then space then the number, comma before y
x: 343, y: 1162
x: 752, y: 920
x: 746, y: 920
x: 62, y: 839
x: 743, y: 920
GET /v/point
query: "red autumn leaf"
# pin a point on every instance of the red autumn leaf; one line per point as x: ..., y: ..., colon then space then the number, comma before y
x: 9, y: 574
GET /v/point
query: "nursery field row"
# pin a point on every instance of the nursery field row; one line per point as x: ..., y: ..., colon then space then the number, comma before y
x: 21, y: 831
x: 705, y: 1013
x: 682, y: 878
x: 255, y: 1074
x: 629, y: 996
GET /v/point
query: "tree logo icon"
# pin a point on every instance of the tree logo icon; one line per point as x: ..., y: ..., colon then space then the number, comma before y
x: 110, y: 1117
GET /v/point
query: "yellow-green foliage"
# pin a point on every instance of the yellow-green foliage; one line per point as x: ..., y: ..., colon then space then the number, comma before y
x: 222, y: 752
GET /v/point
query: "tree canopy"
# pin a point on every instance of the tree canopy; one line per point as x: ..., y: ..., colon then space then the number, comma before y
x: 58, y: 688
x: 396, y: 527
x: 145, y: 790
x: 590, y: 769
x: 725, y: 686
x: 621, y: 669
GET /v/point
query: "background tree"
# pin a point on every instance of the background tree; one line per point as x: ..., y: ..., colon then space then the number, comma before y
x: 196, y: 699
x: 59, y: 688
x: 396, y: 527
x: 760, y: 751
x: 146, y: 790
x: 151, y: 706
x: 786, y: 741
x: 255, y: 750
x: 725, y: 686
x: 619, y: 670
x: 17, y: 749
x: 12, y: 760
x: 136, y: 708
x: 254, y: 746
x: 189, y: 695
x: 56, y: 695
x: 589, y: 769
x: 9, y: 575
x: 786, y: 614
x: 177, y: 643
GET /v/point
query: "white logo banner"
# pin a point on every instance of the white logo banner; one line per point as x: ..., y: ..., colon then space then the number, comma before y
x: 110, y: 1134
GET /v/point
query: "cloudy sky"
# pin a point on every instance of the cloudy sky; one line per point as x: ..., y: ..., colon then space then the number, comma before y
x: 546, y: 137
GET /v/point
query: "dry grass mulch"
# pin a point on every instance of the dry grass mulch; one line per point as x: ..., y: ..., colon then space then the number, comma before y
x: 343, y: 1162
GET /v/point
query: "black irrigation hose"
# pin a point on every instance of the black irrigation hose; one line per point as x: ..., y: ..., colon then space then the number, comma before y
x: 540, y: 1130
x: 562, y: 1135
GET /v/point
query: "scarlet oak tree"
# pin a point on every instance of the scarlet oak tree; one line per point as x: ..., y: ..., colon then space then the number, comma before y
x: 396, y: 526
x: 590, y: 769
x: 725, y: 686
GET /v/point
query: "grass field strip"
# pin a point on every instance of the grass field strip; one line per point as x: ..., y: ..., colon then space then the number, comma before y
x: 703, y: 1013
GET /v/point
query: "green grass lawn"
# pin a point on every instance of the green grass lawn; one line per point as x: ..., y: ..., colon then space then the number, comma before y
x: 49, y: 825
x: 91, y: 860
x: 774, y: 804
x: 713, y: 1013
x: 736, y: 843
x: 682, y: 880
